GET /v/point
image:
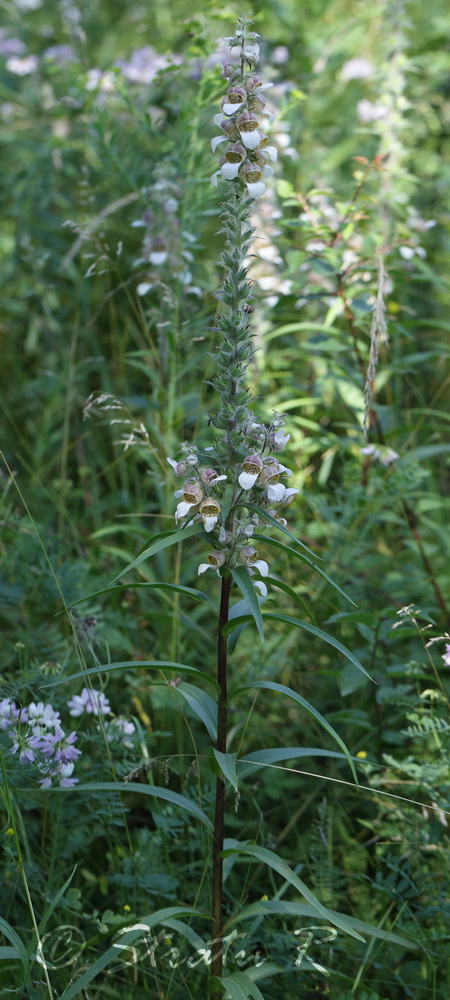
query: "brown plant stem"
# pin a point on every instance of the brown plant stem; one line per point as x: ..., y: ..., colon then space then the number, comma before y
x: 219, y: 817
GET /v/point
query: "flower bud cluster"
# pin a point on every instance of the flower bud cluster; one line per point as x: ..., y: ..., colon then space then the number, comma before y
x: 247, y: 154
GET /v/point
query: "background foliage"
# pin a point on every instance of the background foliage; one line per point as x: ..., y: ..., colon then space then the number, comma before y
x: 97, y: 136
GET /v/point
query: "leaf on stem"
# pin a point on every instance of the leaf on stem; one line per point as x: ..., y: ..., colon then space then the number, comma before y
x: 242, y: 578
x: 289, y: 693
x: 273, y: 861
x: 227, y: 764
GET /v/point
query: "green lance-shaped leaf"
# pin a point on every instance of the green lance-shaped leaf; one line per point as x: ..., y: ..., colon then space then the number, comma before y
x: 272, y: 755
x: 18, y: 950
x: 292, y: 594
x: 239, y: 986
x: 131, y: 786
x: 180, y: 668
x: 177, y: 588
x: 227, y: 764
x: 299, y: 623
x: 303, y: 558
x: 276, y: 524
x: 163, y: 541
x: 273, y: 861
x: 202, y: 705
x: 136, y: 932
x: 54, y: 903
x: 289, y: 693
x: 242, y: 578
x: 286, y: 908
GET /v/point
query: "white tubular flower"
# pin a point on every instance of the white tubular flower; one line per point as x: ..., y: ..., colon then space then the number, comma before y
x: 249, y: 557
x: 252, y: 466
x: 217, y: 140
x: 247, y: 125
x: 234, y: 100
x: 232, y: 160
x: 158, y: 252
x: 279, y: 493
x: 251, y: 174
x: 261, y: 587
x: 280, y: 440
x: 272, y: 152
x: 215, y: 561
x: 192, y: 495
x: 209, y: 510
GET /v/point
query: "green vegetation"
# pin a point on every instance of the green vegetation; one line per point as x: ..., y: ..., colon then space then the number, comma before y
x: 334, y: 758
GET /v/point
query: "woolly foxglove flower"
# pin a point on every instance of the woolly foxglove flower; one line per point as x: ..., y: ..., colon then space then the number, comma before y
x: 252, y: 466
x: 251, y: 174
x: 247, y: 125
x: 249, y: 557
x: 209, y: 510
x: 235, y: 99
x: 232, y: 160
x: 192, y: 495
x: 279, y: 493
x: 215, y: 561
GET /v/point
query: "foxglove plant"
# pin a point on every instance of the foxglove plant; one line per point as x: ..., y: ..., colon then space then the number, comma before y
x: 233, y: 485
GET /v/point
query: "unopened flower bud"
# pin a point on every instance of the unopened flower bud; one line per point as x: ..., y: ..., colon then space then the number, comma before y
x: 269, y: 476
x: 253, y: 83
x: 256, y: 103
x: 228, y: 126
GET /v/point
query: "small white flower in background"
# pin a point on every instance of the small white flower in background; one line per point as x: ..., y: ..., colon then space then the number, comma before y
x: 280, y: 54
x: 357, y: 69
x: 380, y: 452
x: 22, y: 65
x: 96, y: 79
x: 409, y: 252
x: 91, y: 701
x: 369, y: 112
x: 215, y: 561
x: 121, y: 728
x: 446, y: 655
